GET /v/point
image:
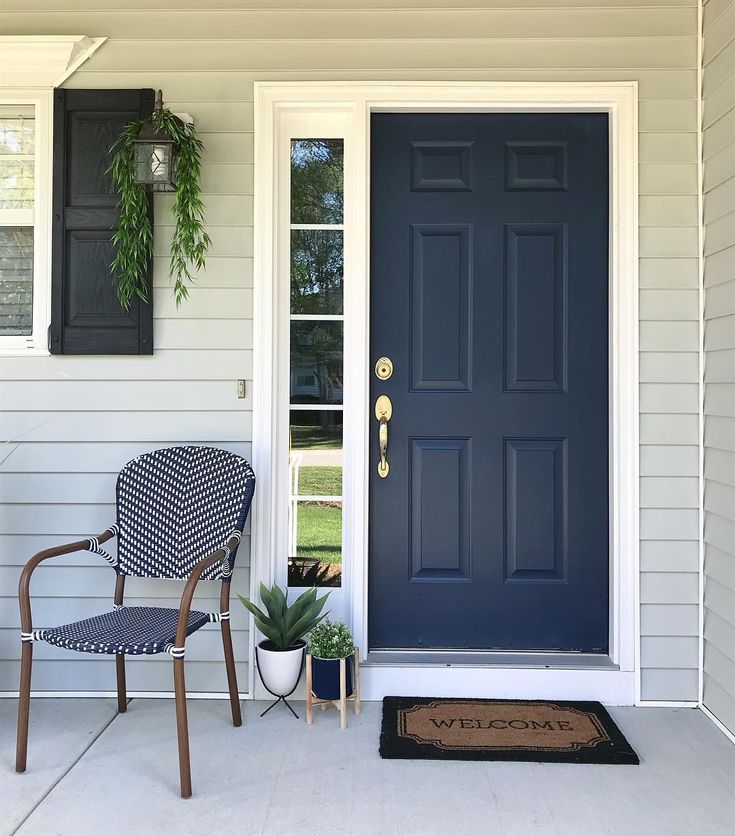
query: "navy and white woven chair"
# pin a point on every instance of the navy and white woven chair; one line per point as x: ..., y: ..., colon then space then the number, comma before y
x: 180, y: 514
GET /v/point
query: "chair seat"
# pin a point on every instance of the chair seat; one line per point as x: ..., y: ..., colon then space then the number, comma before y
x: 129, y: 630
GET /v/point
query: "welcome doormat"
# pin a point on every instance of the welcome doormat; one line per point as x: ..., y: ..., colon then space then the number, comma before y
x: 501, y: 730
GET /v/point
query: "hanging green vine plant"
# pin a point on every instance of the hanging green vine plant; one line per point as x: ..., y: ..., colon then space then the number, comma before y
x: 133, y: 234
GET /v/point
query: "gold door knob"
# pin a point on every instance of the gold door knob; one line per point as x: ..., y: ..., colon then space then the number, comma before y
x: 383, y: 412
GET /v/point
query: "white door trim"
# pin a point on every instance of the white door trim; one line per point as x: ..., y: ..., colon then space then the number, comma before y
x: 350, y: 104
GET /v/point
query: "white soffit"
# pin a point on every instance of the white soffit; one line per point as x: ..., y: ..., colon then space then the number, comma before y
x: 43, y: 61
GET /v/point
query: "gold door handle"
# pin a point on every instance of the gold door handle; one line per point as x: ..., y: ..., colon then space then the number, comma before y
x: 383, y: 412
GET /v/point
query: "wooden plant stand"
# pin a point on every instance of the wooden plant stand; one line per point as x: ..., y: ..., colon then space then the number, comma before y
x: 341, y: 703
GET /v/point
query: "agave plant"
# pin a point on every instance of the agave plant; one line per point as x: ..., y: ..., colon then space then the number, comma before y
x: 282, y: 624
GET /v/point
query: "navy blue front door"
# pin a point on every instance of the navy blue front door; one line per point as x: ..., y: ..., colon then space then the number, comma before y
x: 489, y: 294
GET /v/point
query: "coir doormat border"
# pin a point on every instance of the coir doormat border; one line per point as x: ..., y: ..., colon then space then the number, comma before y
x: 614, y: 750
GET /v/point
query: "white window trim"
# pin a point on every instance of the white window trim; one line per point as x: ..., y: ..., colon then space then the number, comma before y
x: 37, y: 341
x: 275, y: 103
x: 32, y: 66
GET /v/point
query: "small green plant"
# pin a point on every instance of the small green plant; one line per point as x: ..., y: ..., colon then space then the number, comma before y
x: 331, y: 640
x: 133, y: 235
x: 282, y: 624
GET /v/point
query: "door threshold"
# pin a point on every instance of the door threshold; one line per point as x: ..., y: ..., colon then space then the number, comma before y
x: 491, y: 658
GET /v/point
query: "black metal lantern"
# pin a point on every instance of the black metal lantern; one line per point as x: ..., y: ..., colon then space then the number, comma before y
x: 154, y: 155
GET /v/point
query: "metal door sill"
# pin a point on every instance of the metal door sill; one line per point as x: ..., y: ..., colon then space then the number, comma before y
x: 491, y: 658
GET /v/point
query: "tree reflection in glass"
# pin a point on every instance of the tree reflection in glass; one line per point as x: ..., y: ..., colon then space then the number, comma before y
x: 316, y: 271
x: 317, y: 174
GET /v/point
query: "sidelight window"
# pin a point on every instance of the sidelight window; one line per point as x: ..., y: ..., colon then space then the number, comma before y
x: 316, y: 358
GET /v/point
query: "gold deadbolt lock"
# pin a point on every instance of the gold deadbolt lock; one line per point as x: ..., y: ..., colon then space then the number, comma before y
x: 384, y: 368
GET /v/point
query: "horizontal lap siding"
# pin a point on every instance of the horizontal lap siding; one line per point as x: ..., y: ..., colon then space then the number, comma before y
x: 719, y: 337
x: 207, y: 64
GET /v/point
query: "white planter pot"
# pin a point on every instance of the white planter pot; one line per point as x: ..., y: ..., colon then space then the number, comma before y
x: 280, y: 670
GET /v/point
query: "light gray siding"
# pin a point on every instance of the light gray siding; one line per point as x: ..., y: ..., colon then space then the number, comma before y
x: 719, y: 339
x: 206, y: 62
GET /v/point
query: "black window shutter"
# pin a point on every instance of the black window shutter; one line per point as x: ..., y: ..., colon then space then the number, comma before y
x: 86, y: 317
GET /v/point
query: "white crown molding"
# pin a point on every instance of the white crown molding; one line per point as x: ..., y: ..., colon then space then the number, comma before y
x: 43, y: 61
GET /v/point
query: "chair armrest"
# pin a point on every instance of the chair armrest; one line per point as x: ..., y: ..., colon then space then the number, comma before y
x: 24, y: 584
x: 191, y: 583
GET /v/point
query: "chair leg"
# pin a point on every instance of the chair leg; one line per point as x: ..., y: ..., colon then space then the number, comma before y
x: 122, y: 700
x: 24, y: 706
x: 231, y: 674
x: 182, y: 728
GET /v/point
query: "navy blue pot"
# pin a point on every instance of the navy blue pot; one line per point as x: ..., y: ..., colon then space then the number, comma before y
x: 325, y: 678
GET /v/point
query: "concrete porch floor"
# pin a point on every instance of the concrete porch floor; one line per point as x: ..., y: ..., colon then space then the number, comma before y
x: 91, y: 771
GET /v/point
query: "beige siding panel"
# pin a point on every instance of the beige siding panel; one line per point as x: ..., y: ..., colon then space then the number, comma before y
x: 669, y: 524
x: 721, y: 365
x: 669, y: 336
x: 718, y: 332
x: 86, y: 457
x: 669, y: 367
x: 219, y: 272
x: 720, y: 166
x: 720, y: 233
x: 206, y: 62
x: 668, y: 242
x: 668, y: 556
x: 346, y: 5
x: 660, y: 684
x: 720, y: 466
x: 720, y: 199
x: 680, y: 210
x: 669, y: 460
x: 667, y: 116
x: 168, y: 365
x: 719, y: 32
x: 207, y: 335
x: 719, y: 268
x: 485, y: 53
x: 662, y: 273
x: 720, y: 299
x: 719, y: 433
x: 669, y: 588
x: 124, y: 426
x: 669, y: 305
x: 363, y: 24
x: 237, y: 86
x: 667, y: 179
x: 669, y: 620
x: 159, y: 395
x: 720, y: 569
x: 670, y: 652
x: 668, y: 429
x: 719, y: 68
x: 719, y: 699
x: 660, y: 492
x: 720, y: 133
x: 669, y: 397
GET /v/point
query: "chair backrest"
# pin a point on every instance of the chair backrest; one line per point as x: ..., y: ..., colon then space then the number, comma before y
x: 176, y: 506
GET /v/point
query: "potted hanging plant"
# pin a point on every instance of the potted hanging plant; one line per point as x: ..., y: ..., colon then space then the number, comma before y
x: 280, y: 655
x: 160, y: 154
x: 328, y: 643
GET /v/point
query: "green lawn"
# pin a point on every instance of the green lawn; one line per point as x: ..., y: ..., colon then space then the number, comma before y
x: 320, y: 481
x: 320, y: 532
x: 315, y: 438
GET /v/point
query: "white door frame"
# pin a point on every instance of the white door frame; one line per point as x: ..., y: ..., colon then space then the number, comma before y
x: 343, y: 109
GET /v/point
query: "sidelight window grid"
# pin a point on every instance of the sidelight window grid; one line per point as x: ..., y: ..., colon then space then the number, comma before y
x: 316, y: 325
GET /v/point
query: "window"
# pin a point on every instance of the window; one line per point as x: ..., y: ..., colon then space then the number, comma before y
x: 25, y: 187
x: 316, y: 316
